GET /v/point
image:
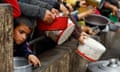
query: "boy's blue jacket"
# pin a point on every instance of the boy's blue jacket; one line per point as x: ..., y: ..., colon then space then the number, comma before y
x: 22, y: 50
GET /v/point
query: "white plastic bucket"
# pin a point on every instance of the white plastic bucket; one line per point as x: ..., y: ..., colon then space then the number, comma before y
x: 91, y: 50
x: 62, y: 35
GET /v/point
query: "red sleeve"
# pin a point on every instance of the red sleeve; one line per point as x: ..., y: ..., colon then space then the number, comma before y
x: 15, y: 6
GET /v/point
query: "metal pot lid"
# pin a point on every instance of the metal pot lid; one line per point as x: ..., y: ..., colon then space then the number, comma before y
x: 112, y: 65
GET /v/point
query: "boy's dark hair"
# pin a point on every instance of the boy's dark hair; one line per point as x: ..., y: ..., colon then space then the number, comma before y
x: 23, y: 20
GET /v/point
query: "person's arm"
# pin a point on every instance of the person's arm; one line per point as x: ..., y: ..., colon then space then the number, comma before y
x: 27, y: 50
x: 86, y: 13
x: 41, y: 3
x: 112, y: 7
x: 32, y: 10
x: 35, y: 11
x: 30, y: 56
x: 15, y: 6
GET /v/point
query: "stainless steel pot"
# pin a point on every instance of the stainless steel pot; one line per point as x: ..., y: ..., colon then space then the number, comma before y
x: 97, y: 20
x: 21, y: 65
x: 112, y: 65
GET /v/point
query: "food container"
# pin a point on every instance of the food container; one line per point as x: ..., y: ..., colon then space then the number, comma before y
x: 112, y: 65
x: 96, y: 20
x: 61, y: 36
x: 115, y: 27
x: 91, y: 50
x: 60, y: 23
x: 21, y: 65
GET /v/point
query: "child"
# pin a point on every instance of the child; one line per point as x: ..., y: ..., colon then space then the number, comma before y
x: 22, y: 30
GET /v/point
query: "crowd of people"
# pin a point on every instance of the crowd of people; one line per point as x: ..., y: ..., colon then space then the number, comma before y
x: 26, y: 11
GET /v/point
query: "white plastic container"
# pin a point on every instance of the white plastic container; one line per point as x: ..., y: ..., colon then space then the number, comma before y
x: 91, y: 50
x: 62, y: 35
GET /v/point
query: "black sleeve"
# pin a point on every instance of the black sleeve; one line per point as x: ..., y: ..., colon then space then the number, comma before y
x: 56, y: 5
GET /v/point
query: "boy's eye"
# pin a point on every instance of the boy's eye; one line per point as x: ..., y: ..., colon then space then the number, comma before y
x: 21, y: 31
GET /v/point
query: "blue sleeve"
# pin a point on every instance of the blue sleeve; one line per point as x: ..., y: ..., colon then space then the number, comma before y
x: 27, y: 50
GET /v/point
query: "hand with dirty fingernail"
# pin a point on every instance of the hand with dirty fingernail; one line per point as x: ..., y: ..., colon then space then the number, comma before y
x: 34, y: 60
x: 83, y: 36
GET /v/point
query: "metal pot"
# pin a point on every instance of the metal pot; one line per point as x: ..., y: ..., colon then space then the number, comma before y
x: 96, y: 3
x: 60, y: 36
x: 112, y: 65
x: 21, y: 65
x: 97, y: 20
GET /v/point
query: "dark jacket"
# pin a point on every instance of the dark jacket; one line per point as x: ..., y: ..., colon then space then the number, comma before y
x: 22, y: 50
x: 34, y: 8
x: 54, y: 3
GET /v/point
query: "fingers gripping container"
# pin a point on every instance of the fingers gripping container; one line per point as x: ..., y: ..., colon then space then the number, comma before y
x: 61, y: 36
x: 92, y: 50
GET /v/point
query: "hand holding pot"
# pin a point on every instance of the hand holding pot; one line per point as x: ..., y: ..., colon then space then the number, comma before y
x: 55, y: 11
x: 87, y: 29
x: 34, y: 60
x: 86, y: 13
x: 83, y: 36
x: 112, y: 7
x: 49, y: 17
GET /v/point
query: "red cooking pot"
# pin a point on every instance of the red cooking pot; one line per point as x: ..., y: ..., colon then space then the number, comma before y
x: 60, y: 23
x: 60, y: 36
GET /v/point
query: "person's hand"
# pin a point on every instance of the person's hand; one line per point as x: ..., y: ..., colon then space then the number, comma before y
x: 86, y: 13
x: 34, y: 60
x: 87, y: 29
x: 69, y: 7
x: 83, y: 36
x: 64, y: 10
x: 112, y: 7
x: 114, y: 10
x: 55, y: 11
x: 49, y: 17
x: 91, y: 11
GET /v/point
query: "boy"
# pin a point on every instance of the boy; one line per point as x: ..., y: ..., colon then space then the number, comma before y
x: 22, y: 29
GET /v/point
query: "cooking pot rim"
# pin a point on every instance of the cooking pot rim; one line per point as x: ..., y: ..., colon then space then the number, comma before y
x: 108, y: 21
x: 24, y: 66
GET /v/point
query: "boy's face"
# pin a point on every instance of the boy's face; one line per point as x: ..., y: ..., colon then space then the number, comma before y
x: 21, y: 33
